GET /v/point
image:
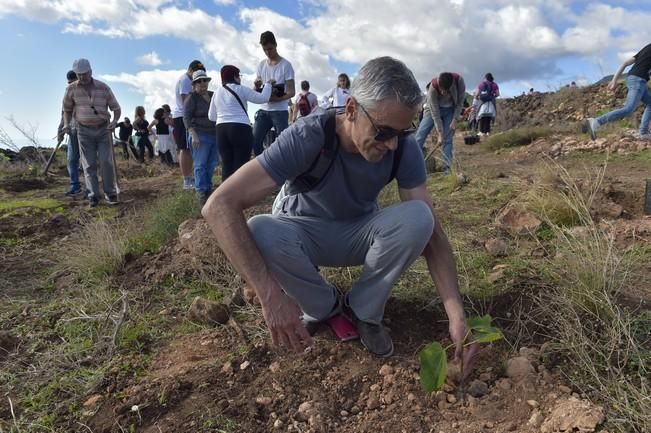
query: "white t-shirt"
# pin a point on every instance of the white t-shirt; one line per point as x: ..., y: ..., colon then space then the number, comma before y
x: 281, y: 72
x: 183, y: 87
x: 336, y: 97
x: 224, y: 107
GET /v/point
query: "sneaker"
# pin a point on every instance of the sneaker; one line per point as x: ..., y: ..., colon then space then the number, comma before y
x: 645, y: 137
x: 590, y: 126
x: 112, y: 199
x: 93, y: 202
x: 188, y: 183
x: 72, y: 192
x: 374, y: 338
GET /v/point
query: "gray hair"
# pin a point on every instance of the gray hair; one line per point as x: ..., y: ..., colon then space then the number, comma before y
x: 386, y: 78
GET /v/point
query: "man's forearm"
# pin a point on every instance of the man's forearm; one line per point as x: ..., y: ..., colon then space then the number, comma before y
x: 116, y: 116
x: 67, y: 118
x: 442, y: 267
x: 235, y: 240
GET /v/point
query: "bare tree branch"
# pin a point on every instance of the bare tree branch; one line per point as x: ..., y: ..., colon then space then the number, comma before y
x: 29, y: 132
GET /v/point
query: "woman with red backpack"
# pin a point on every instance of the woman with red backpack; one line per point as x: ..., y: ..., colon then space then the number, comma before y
x: 486, y: 93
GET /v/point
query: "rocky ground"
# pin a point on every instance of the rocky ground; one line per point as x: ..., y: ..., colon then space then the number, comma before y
x: 193, y: 354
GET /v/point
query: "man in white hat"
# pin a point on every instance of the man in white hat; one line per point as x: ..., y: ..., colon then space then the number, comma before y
x: 90, y: 100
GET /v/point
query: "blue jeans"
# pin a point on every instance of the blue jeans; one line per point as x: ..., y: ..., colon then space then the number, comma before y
x: 73, y: 160
x: 426, y: 126
x: 264, y: 120
x: 637, y: 92
x: 205, y: 160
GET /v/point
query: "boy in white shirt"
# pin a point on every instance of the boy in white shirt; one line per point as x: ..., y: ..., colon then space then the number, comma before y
x: 275, y: 112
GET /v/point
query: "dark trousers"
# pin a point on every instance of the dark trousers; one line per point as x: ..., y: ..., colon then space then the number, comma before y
x: 142, y: 142
x: 235, y: 144
x: 485, y: 124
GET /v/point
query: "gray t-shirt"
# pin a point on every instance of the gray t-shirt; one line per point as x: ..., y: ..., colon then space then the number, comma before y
x: 351, y: 187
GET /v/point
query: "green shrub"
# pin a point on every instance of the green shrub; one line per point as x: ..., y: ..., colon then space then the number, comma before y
x: 517, y: 137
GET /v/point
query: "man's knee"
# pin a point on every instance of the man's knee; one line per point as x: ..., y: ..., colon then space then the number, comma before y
x: 418, y: 221
x: 269, y: 235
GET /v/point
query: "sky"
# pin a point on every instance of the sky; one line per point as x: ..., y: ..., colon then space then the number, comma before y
x: 141, y: 47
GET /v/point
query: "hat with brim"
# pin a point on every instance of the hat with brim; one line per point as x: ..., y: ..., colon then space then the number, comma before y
x: 81, y: 66
x: 200, y: 75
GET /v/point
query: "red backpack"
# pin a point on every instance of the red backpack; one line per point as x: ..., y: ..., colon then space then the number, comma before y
x: 303, y: 104
x: 435, y: 81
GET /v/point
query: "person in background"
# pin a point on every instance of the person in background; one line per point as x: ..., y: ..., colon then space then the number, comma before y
x: 486, y: 94
x: 125, y: 139
x: 203, y: 138
x: 181, y: 92
x: 337, y: 96
x: 73, y: 147
x: 638, y: 91
x: 88, y: 101
x: 306, y: 101
x: 274, y: 113
x: 164, y: 141
x: 141, y: 138
x: 445, y: 97
x: 229, y: 108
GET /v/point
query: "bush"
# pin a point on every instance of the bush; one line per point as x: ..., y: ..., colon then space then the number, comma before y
x: 517, y: 137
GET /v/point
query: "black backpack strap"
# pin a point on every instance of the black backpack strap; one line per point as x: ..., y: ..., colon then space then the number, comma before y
x: 322, y: 163
x: 236, y: 97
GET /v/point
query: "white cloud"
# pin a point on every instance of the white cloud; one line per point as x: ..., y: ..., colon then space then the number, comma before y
x: 513, y: 39
x: 150, y: 59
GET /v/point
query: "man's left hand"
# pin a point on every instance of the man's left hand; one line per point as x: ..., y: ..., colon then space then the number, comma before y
x: 453, y: 125
x: 111, y: 126
x: 458, y: 333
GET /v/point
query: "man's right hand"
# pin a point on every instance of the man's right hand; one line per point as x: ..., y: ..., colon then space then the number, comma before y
x: 282, y: 317
x: 440, y: 137
x: 195, y: 140
x: 612, y: 86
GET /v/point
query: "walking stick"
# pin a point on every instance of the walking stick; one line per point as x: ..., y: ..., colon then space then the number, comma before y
x: 115, y: 165
x: 54, y: 152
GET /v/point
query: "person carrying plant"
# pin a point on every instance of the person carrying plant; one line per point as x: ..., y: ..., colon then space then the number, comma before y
x: 337, y: 165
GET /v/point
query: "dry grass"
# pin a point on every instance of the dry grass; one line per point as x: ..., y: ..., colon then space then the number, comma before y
x: 606, y: 358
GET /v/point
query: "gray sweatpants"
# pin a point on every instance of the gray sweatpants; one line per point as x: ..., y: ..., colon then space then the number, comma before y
x: 386, y: 242
x: 95, y: 149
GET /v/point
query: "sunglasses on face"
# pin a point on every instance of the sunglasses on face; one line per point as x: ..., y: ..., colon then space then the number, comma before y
x: 385, y: 133
x: 202, y: 80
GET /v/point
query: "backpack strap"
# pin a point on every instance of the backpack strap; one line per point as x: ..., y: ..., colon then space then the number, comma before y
x: 323, y: 161
x: 236, y: 97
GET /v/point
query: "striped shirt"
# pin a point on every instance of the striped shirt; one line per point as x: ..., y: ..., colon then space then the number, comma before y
x: 90, y: 104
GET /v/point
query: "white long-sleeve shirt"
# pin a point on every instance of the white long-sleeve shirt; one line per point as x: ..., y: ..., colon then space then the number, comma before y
x: 335, y: 97
x: 224, y: 107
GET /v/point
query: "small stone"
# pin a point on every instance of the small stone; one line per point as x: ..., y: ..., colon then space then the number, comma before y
x: 519, y: 368
x: 278, y: 423
x: 204, y: 310
x: 533, y: 403
x: 440, y: 396
x: 443, y: 405
x: 486, y: 377
x: 536, y: 419
x: 565, y: 389
x: 451, y: 399
x: 375, y: 387
x: 478, y: 388
x: 355, y: 410
x: 411, y: 397
x: 373, y: 402
x: 304, y: 407
x: 227, y: 368
x: 274, y: 367
x: 385, y: 370
x: 344, y: 413
x: 496, y: 247
x: 263, y: 401
x: 93, y: 399
x: 244, y: 365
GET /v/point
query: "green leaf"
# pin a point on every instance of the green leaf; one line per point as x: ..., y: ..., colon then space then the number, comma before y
x: 488, y: 337
x: 433, y: 367
x: 478, y: 323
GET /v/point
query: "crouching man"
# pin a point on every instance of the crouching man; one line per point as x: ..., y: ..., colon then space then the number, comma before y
x: 336, y: 165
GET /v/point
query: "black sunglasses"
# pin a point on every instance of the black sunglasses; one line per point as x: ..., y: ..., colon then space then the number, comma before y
x: 202, y: 80
x: 385, y: 133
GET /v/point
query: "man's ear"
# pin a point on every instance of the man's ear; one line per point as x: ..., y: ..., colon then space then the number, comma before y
x: 350, y: 109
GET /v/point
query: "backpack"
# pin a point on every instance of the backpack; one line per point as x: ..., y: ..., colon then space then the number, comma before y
x: 321, y: 165
x: 486, y: 92
x: 304, y: 107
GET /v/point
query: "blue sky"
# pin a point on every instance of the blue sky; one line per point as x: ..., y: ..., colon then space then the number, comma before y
x: 532, y: 43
